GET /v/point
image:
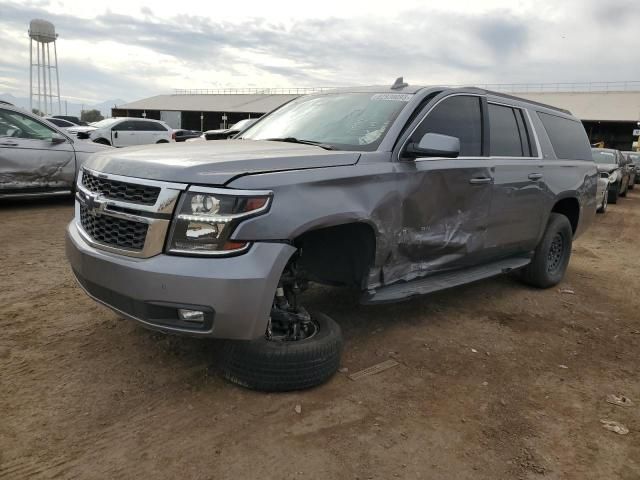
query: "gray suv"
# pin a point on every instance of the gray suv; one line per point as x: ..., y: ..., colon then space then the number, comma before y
x: 36, y: 157
x: 393, y: 191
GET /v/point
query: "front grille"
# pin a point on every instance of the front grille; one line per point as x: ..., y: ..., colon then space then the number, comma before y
x: 128, y: 192
x: 113, y: 231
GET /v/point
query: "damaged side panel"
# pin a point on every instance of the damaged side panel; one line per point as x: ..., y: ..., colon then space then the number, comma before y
x: 426, y: 215
x: 27, y: 164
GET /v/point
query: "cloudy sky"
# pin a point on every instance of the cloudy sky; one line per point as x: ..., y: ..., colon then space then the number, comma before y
x: 132, y: 49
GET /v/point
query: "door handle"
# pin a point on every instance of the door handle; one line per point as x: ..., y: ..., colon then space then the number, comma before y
x: 480, y: 180
x: 115, y: 134
x: 535, y: 176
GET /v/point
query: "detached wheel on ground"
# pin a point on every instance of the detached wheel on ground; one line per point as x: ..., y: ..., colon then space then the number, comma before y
x: 552, y: 255
x: 279, y: 365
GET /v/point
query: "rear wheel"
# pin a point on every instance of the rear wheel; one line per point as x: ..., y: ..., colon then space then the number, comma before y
x: 162, y: 141
x: 102, y: 141
x: 551, y: 257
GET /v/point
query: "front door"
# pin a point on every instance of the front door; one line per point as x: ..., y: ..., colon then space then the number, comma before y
x: 124, y: 134
x: 30, y: 158
x: 445, y: 212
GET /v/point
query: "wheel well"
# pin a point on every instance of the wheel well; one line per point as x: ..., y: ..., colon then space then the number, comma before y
x: 162, y: 141
x: 570, y: 208
x: 104, y: 141
x: 337, y: 255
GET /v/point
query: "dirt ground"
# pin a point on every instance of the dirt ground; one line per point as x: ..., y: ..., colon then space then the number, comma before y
x: 496, y: 380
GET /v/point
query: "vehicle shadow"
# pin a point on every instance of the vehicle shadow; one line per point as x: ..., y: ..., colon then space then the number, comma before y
x: 12, y: 204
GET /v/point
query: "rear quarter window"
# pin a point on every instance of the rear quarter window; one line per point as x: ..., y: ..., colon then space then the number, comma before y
x: 568, y: 138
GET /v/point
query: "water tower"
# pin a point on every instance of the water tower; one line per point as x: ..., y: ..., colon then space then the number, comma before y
x: 42, y: 34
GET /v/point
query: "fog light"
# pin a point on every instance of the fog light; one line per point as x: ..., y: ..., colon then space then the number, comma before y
x: 195, y: 316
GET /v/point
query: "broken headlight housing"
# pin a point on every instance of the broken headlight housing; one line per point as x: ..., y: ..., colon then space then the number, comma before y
x: 206, y: 218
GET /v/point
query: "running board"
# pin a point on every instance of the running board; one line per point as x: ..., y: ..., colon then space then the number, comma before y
x: 442, y: 281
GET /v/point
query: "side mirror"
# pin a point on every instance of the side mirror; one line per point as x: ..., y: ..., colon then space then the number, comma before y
x: 56, y: 139
x: 434, y: 145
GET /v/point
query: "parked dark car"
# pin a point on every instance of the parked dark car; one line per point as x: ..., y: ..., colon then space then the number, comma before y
x: 72, y: 119
x: 634, y: 158
x: 393, y: 191
x: 182, y: 135
x: 613, y: 163
x: 225, y: 133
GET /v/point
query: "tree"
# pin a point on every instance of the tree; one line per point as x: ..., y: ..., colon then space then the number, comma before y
x: 37, y: 112
x: 91, y: 116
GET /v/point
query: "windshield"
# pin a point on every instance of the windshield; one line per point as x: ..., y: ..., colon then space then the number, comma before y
x: 105, y: 123
x: 345, y: 121
x: 242, y: 124
x: 604, y: 156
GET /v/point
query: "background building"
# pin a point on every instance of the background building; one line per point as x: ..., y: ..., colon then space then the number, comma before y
x: 609, y: 111
x: 209, y: 109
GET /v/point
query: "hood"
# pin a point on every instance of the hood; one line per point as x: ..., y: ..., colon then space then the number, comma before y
x: 215, y: 163
x: 605, y: 167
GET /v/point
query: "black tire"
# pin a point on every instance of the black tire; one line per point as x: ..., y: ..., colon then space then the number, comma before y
x: 551, y: 258
x: 613, y: 194
x: 102, y: 141
x: 162, y: 141
x: 280, y: 366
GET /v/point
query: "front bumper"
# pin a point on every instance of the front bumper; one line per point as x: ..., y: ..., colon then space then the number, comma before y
x: 235, y: 293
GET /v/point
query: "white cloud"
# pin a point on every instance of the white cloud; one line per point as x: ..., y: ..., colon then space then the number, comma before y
x: 135, y: 49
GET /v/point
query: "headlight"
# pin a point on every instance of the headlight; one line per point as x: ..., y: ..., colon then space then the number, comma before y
x: 613, y: 177
x: 206, y: 218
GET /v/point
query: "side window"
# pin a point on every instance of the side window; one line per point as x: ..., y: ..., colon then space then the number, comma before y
x: 505, y: 138
x: 568, y: 138
x: 124, y: 126
x: 458, y: 116
x: 158, y: 127
x: 14, y: 124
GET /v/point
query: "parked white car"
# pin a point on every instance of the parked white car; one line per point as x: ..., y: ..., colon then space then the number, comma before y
x: 126, y: 131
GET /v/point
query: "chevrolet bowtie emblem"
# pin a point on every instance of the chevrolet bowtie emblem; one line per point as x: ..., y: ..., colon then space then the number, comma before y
x: 94, y: 205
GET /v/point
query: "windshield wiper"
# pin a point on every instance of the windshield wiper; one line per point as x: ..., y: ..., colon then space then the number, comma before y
x: 304, y: 142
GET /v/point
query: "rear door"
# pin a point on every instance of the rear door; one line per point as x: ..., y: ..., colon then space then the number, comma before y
x: 160, y: 132
x: 445, y: 212
x: 516, y: 214
x: 29, y: 159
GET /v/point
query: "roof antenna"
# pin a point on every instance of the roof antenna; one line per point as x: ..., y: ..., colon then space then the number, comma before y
x: 399, y: 84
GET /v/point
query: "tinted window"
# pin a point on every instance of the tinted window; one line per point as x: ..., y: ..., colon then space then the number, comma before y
x: 127, y: 125
x: 504, y: 132
x: 154, y: 127
x: 60, y: 123
x: 568, y: 138
x: 459, y: 116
